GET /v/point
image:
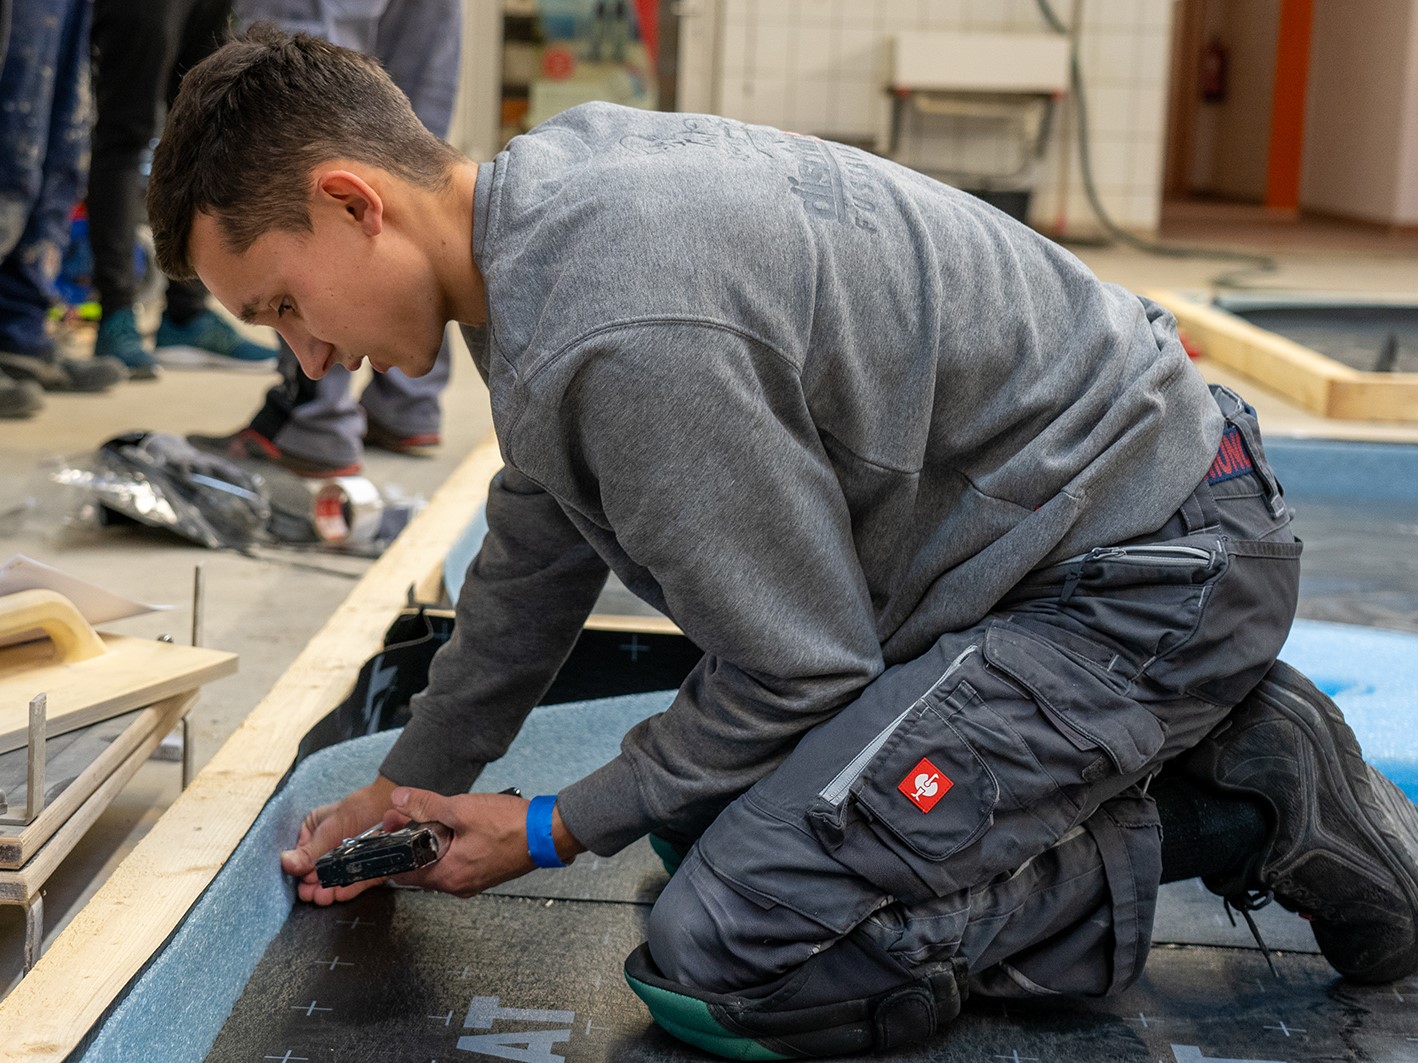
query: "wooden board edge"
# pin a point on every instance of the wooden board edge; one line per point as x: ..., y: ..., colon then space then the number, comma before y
x: 651, y: 625
x: 1393, y: 397
x: 217, y: 666
x: 1314, y: 381
x: 130, y: 917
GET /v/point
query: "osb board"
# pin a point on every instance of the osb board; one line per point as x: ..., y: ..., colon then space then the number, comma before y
x: 137, y: 909
x: 130, y: 673
x: 1317, y: 383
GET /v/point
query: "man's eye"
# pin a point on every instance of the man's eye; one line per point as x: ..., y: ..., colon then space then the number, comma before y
x: 285, y: 305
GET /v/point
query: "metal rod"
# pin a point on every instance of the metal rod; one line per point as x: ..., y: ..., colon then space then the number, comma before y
x: 34, y: 763
x: 198, y: 602
x: 197, y: 592
x: 187, y: 757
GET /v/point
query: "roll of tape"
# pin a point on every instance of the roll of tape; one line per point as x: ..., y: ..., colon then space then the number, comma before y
x: 347, y: 509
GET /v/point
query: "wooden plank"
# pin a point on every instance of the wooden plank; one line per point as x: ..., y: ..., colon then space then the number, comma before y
x: 18, y: 843
x: 22, y: 885
x: 1319, y: 384
x: 651, y: 623
x: 137, y: 909
x: 1376, y: 397
x: 86, y: 676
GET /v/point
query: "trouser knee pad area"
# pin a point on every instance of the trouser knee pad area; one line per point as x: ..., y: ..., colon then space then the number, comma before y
x: 792, y: 1019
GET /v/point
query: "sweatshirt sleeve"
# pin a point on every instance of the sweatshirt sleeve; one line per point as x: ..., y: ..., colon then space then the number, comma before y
x: 524, y: 601
x: 695, y: 446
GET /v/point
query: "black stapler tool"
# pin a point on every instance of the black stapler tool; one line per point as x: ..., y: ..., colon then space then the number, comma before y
x: 378, y: 853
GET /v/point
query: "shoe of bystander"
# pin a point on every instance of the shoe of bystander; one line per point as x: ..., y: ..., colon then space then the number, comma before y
x: 209, y: 342
x: 119, y: 338
x: 250, y: 445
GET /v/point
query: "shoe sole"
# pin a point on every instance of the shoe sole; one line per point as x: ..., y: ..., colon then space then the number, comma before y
x: 21, y: 399
x: 1370, y: 802
x: 182, y: 357
x: 416, y: 451
x: 250, y: 450
x: 56, y: 378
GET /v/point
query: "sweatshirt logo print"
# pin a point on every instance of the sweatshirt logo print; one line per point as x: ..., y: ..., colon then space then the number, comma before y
x: 924, y: 785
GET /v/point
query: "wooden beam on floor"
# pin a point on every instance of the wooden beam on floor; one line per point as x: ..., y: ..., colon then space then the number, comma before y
x: 133, y: 914
x: 1309, y: 379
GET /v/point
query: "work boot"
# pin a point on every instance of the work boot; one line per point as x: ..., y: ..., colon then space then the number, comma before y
x: 1343, y: 844
x: 793, y: 1019
x: 250, y: 445
x: 416, y: 445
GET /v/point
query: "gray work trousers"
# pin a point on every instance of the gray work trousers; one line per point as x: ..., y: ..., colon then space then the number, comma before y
x: 419, y: 42
x: 986, y: 801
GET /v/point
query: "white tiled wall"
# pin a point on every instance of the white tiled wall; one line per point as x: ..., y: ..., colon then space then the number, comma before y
x: 816, y: 66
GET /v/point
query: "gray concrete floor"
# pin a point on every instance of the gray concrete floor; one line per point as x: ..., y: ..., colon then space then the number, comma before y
x: 265, y: 610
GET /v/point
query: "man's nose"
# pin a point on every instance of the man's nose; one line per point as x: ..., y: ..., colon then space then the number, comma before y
x: 309, y: 352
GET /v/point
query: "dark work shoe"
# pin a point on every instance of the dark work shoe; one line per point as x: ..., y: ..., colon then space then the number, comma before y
x: 416, y: 445
x: 1343, y: 848
x: 59, y: 373
x: 767, y: 1026
x: 250, y: 445
x: 19, y: 398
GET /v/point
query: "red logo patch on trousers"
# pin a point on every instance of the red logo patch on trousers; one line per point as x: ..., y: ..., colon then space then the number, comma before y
x: 924, y: 785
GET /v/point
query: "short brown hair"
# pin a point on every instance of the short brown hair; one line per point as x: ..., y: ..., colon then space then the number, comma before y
x: 255, y: 117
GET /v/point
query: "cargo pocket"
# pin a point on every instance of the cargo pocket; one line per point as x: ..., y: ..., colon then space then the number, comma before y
x: 1086, y: 709
x: 1244, y: 620
x: 988, y: 768
x: 918, y: 793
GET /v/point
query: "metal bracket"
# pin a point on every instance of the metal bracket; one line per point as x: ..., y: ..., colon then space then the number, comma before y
x: 34, y: 763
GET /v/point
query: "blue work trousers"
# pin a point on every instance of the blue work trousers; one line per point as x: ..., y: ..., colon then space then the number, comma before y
x: 44, y: 158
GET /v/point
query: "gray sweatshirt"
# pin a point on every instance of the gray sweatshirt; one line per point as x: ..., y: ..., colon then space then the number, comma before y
x: 814, y: 406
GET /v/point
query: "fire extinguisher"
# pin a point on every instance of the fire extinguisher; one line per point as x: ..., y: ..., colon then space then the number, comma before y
x: 1214, y: 63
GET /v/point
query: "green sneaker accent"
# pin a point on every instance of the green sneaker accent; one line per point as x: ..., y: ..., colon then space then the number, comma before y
x: 692, y: 1022
x: 118, y: 337
x: 209, y: 340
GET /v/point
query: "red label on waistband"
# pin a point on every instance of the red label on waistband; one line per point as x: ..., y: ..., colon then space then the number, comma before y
x: 1231, y: 458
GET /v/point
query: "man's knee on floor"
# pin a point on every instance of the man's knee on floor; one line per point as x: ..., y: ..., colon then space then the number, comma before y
x: 692, y: 926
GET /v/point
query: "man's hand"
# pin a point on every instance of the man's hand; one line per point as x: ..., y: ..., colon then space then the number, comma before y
x: 325, y: 828
x: 489, y: 843
x: 489, y: 839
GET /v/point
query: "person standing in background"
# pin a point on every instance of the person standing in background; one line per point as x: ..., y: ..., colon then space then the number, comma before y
x: 317, y: 428
x: 44, y: 131
x: 140, y: 52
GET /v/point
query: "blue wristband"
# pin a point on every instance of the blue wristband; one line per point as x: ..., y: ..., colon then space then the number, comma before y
x: 540, y: 846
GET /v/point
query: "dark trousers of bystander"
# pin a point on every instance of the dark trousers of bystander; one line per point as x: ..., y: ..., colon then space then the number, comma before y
x: 44, y: 128
x: 140, y: 52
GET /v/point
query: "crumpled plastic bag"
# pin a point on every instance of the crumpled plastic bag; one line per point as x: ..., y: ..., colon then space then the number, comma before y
x: 163, y: 481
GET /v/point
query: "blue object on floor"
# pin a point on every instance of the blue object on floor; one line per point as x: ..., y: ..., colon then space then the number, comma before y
x: 1372, y: 674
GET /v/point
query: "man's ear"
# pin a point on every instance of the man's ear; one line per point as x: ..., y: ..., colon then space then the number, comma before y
x: 353, y: 196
